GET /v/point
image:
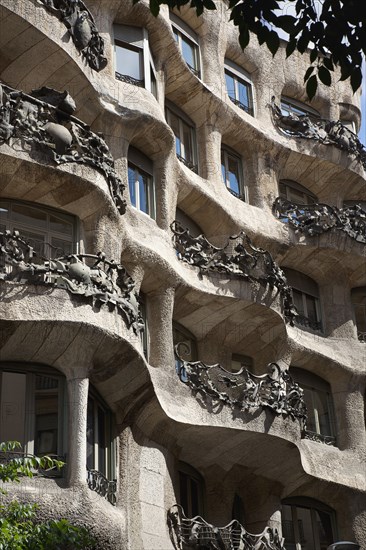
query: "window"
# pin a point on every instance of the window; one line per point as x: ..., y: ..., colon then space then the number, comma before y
x: 99, y: 454
x: 188, y: 223
x: 188, y: 44
x: 358, y: 297
x: 239, y: 362
x: 140, y: 182
x: 133, y: 60
x: 191, y: 487
x: 239, y: 87
x: 232, y: 174
x: 305, y: 294
x: 291, y: 107
x: 296, y: 193
x: 49, y: 232
x: 185, y: 136
x: 238, y: 511
x: 33, y: 404
x: 307, y: 524
x: 318, y: 399
x: 145, y: 332
x: 187, y: 349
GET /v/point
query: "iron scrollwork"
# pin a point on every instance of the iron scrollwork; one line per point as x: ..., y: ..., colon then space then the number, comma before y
x: 319, y: 438
x: 238, y: 258
x: 81, y: 26
x: 102, y: 486
x: 197, y: 534
x: 45, y: 118
x: 107, y: 282
x: 319, y: 129
x: 243, y: 390
x: 315, y: 219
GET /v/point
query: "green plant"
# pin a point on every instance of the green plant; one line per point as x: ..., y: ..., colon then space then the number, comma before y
x: 19, y: 529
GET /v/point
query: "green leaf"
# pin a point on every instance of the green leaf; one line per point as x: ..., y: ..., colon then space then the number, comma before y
x: 311, y: 86
x: 328, y: 63
x: 209, y: 4
x: 291, y: 47
x: 324, y: 75
x: 313, y: 55
x: 244, y: 37
x: 287, y: 23
x: 273, y: 42
x: 356, y: 78
x: 308, y: 73
x: 154, y: 7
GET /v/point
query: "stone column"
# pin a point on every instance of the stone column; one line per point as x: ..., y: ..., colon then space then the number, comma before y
x: 348, y: 400
x: 77, y: 390
x: 159, y: 320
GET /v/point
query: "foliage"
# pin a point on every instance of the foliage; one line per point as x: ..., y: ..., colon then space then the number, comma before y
x: 331, y: 32
x: 19, y: 529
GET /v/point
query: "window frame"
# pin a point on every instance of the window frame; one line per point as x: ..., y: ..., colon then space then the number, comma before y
x: 228, y: 152
x: 240, y: 76
x: 290, y: 184
x: 291, y: 106
x: 126, y: 36
x: 181, y: 31
x: 314, y: 294
x: 183, y: 119
x: 109, y: 469
x: 191, y: 474
x: 141, y: 166
x: 359, y: 310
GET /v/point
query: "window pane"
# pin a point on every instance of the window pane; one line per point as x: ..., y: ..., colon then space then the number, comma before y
x: 12, y: 418
x: 297, y: 296
x: 187, y: 140
x: 101, y: 441
x: 311, y: 308
x: 129, y: 62
x: 61, y: 226
x: 243, y: 94
x: 305, y: 529
x: 320, y: 401
x: 311, y: 422
x: 46, y: 413
x: 174, y: 124
x: 90, y: 435
x: 143, y: 193
x: 230, y: 85
x: 132, y: 185
x: 30, y: 216
x: 324, y: 528
x: 189, y: 53
x: 195, y: 508
x: 234, y: 174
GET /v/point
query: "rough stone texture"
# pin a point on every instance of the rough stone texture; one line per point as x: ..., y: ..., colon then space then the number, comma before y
x: 158, y: 421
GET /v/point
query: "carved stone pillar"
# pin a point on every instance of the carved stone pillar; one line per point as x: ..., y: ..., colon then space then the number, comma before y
x: 77, y: 392
x: 348, y: 401
x: 159, y: 320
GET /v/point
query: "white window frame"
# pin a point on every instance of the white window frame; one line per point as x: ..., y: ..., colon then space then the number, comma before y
x: 183, y: 119
x: 142, y: 165
x: 292, y: 105
x: 298, y: 281
x: 136, y: 39
x: 240, y: 76
x: 184, y: 32
x: 225, y: 152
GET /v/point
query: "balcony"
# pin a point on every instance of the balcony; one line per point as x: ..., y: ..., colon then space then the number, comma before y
x: 316, y: 219
x: 197, y: 534
x: 102, y: 486
x: 320, y: 438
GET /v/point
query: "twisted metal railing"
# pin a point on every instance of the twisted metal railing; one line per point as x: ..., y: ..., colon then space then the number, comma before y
x: 304, y: 321
x: 241, y: 105
x: 315, y: 219
x: 197, y: 534
x: 243, y: 390
x: 106, y: 282
x: 81, y: 26
x: 102, y: 486
x: 44, y: 119
x: 325, y: 131
x: 320, y: 438
x: 129, y: 79
x: 188, y: 163
x: 237, y: 258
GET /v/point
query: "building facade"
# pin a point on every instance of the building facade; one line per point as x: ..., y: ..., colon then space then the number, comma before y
x: 183, y: 285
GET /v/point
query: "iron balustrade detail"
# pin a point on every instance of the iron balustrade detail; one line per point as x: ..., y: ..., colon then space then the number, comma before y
x: 237, y: 258
x: 237, y: 195
x: 322, y: 130
x: 129, y: 79
x: 106, y: 282
x: 197, y: 534
x: 243, y: 390
x: 188, y: 163
x: 241, y: 105
x: 304, y: 321
x: 320, y: 438
x: 102, y: 486
x: 44, y: 120
x: 361, y: 336
x: 193, y: 70
x: 316, y: 219
x: 81, y: 26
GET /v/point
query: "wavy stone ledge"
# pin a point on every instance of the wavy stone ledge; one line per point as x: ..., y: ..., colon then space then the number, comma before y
x: 237, y: 258
x: 81, y: 26
x: 105, y: 281
x: 315, y: 219
x: 197, y: 534
x: 44, y: 120
x: 243, y: 390
x: 328, y: 132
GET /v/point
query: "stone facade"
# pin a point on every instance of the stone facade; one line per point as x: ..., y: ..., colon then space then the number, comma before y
x: 175, y: 322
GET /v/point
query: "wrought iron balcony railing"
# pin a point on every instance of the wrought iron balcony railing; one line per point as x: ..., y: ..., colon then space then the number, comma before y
x: 44, y: 120
x: 80, y: 25
x: 188, y: 163
x: 361, y: 336
x: 320, y: 438
x: 242, y: 390
x: 197, y: 534
x: 242, y: 106
x: 106, y: 282
x: 129, y: 79
x: 237, y: 258
x: 304, y: 321
x: 102, y: 486
x: 324, y: 131
x: 315, y: 219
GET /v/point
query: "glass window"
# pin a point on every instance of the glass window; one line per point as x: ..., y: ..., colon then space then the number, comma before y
x: 186, y: 348
x: 52, y: 234
x: 185, y: 137
x: 239, y: 362
x: 32, y: 408
x: 232, y: 174
x: 291, y: 107
x: 305, y: 294
x: 98, y: 436
x: 190, y: 490
x: 319, y: 404
x: 358, y: 297
x: 239, y: 86
x: 140, y: 182
x: 188, y: 44
x: 307, y: 524
x: 296, y: 193
x: 133, y: 60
